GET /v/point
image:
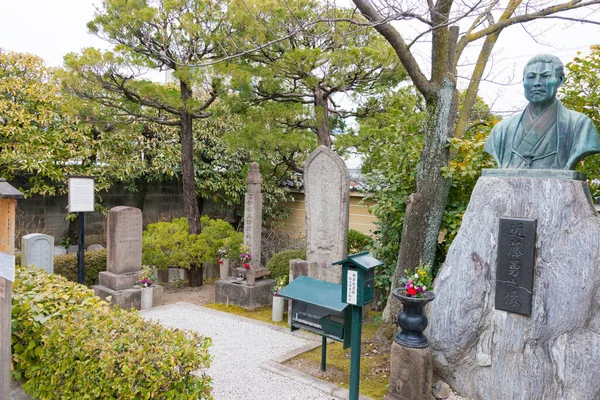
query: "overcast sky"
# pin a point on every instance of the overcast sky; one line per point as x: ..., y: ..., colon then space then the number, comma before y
x: 53, y: 28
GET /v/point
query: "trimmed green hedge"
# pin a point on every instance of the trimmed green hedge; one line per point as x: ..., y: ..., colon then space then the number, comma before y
x: 69, y: 344
x: 66, y: 265
x: 279, y: 263
x: 358, y: 241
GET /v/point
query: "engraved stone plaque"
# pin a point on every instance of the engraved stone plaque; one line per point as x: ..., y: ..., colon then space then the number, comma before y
x: 38, y: 250
x: 124, y: 240
x: 516, y: 259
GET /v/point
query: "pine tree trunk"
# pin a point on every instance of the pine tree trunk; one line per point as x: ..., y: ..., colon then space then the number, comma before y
x: 322, y: 117
x: 187, y: 163
x: 425, y: 208
x: 195, y: 275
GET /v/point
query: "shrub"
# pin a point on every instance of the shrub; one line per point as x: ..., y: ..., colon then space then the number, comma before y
x: 279, y: 264
x: 358, y: 241
x: 94, y: 262
x: 66, y: 265
x: 169, y: 244
x: 69, y: 344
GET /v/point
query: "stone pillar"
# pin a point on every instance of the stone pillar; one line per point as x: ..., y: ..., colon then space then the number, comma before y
x: 8, y: 196
x: 124, y: 260
x: 253, y: 220
x: 326, y: 194
x: 38, y: 249
x: 411, y: 373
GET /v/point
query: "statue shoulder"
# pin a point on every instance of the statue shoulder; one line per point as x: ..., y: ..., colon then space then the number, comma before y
x: 508, y: 121
x: 575, y: 117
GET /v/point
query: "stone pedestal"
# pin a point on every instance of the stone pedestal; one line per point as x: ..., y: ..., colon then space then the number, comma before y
x: 233, y: 292
x: 411, y: 373
x: 128, y: 298
x: 485, y: 353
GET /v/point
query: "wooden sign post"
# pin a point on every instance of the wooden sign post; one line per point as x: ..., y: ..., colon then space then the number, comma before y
x: 8, y: 200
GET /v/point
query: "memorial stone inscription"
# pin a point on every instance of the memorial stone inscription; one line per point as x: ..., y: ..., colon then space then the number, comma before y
x: 124, y: 248
x: 516, y: 258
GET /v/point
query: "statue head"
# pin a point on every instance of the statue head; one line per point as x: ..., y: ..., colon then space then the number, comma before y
x: 542, y: 77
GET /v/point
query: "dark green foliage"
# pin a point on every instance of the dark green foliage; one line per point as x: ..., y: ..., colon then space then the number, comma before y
x: 94, y: 262
x: 69, y: 344
x: 279, y: 264
x: 358, y: 241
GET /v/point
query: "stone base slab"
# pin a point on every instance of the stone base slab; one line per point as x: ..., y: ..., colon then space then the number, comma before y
x: 118, y: 281
x: 240, y: 294
x: 128, y: 298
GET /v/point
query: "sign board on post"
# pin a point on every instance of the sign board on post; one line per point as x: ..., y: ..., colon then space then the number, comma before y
x: 8, y: 196
x: 81, y: 194
x: 81, y: 200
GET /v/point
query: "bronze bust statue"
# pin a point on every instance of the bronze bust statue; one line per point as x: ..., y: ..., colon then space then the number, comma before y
x: 546, y: 135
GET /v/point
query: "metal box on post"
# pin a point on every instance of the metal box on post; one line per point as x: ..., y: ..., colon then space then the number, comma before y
x: 316, y: 307
x: 358, y: 278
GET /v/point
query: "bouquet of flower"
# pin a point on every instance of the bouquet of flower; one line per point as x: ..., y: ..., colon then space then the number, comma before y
x: 146, y: 277
x: 245, y: 256
x: 418, y: 281
x: 278, y: 286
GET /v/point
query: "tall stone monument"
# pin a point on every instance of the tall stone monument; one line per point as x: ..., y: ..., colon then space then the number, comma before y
x: 326, y: 196
x: 124, y: 260
x: 517, y: 308
x: 253, y: 219
x: 38, y: 249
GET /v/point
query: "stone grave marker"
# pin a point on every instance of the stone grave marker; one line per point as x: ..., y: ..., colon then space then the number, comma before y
x: 38, y: 249
x: 124, y: 260
x: 59, y: 251
x: 326, y: 188
x: 253, y: 222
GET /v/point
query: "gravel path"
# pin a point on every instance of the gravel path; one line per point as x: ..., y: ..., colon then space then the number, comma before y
x: 239, y: 345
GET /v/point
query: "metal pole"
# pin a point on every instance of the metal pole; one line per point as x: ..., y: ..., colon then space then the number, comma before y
x: 355, y: 352
x: 81, y: 250
x: 323, y: 353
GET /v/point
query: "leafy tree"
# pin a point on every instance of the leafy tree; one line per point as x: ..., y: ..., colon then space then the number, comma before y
x: 41, y: 141
x: 444, y: 119
x: 289, y: 88
x: 155, y: 35
x: 581, y: 92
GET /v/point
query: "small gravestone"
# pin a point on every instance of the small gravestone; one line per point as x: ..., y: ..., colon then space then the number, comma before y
x: 95, y: 247
x: 326, y: 188
x: 72, y: 249
x: 124, y: 260
x: 59, y: 251
x: 38, y: 249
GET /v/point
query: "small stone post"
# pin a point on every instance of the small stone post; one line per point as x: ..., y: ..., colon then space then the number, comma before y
x: 8, y: 200
x: 253, y: 219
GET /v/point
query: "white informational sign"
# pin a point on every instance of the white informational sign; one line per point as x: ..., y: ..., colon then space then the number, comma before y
x: 7, y: 266
x: 352, y: 285
x: 81, y: 194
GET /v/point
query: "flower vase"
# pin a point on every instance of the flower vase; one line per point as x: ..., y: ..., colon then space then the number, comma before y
x: 146, y: 296
x: 277, y: 313
x: 250, y: 278
x: 412, y: 320
x: 224, y: 269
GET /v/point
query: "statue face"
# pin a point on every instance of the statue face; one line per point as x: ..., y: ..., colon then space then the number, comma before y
x: 541, y: 83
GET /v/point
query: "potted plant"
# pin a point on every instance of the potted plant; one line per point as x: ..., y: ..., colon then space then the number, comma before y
x: 414, y: 293
x: 278, y: 302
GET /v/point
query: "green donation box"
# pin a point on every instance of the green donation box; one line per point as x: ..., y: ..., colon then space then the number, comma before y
x: 358, y: 278
x: 316, y: 307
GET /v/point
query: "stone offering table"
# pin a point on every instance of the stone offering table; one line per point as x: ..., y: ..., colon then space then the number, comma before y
x: 239, y: 293
x: 487, y: 353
